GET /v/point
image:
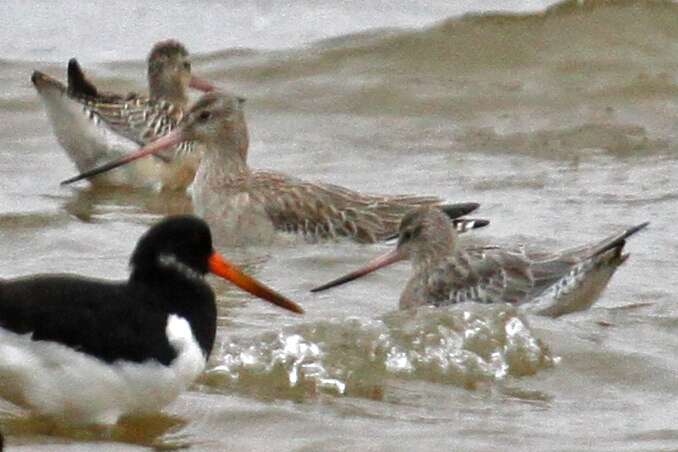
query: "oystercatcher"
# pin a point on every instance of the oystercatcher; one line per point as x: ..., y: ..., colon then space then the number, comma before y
x: 89, y: 351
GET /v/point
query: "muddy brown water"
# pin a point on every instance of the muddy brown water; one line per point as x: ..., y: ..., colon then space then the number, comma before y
x: 560, y: 122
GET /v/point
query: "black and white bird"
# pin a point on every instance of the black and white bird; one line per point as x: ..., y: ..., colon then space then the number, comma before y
x: 88, y: 351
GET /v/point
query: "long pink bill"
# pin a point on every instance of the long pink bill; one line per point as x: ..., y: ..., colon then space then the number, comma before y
x: 201, y: 84
x: 375, y: 264
x: 169, y: 140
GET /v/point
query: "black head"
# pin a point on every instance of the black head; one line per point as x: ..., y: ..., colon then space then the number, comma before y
x: 182, y: 246
x: 184, y: 239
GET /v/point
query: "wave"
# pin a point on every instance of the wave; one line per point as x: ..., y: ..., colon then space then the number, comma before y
x: 594, y: 74
x: 565, y: 35
x: 576, y: 65
x: 465, y: 345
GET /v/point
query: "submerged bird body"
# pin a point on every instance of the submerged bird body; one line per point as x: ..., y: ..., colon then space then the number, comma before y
x: 89, y: 351
x: 258, y: 204
x: 95, y: 127
x: 444, y: 273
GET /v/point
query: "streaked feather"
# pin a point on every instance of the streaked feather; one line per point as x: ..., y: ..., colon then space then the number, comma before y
x: 138, y: 118
x: 326, y: 211
x: 493, y: 274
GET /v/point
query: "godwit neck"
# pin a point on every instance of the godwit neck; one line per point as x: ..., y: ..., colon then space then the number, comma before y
x: 169, y: 72
x: 217, y: 122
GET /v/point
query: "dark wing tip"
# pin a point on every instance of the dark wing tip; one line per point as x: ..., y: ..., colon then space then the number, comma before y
x: 467, y: 224
x: 481, y: 223
x: 77, y: 82
x: 460, y: 225
x: 637, y: 228
x: 459, y: 209
x: 620, y: 240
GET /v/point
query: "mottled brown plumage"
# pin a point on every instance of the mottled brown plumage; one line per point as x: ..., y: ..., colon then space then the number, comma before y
x: 246, y: 206
x: 232, y: 197
x: 326, y: 211
x: 444, y: 273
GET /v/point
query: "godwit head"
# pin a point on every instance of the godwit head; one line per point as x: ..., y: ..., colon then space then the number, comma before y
x: 218, y: 122
x: 169, y: 73
x: 425, y: 237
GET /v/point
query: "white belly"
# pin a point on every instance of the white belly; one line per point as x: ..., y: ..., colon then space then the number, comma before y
x: 73, y: 387
x: 574, y: 294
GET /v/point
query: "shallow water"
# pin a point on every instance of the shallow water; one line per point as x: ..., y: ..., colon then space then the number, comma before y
x: 561, y: 123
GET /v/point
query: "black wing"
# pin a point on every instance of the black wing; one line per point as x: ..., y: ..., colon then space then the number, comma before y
x: 102, y: 318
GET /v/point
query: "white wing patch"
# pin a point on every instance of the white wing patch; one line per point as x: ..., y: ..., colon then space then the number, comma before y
x: 190, y: 361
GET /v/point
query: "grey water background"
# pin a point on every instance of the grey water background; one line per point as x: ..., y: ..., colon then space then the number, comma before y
x: 559, y: 118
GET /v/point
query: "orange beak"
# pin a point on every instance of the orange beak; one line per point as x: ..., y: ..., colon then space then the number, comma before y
x: 375, y: 264
x: 170, y: 140
x: 201, y: 84
x: 221, y: 267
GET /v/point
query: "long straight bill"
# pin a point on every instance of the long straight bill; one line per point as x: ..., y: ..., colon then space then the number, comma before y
x: 221, y: 267
x: 375, y: 264
x: 169, y: 140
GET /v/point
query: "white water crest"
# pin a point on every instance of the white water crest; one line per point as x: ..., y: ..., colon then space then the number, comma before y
x: 464, y: 345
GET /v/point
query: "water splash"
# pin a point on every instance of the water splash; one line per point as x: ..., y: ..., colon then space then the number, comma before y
x: 462, y: 345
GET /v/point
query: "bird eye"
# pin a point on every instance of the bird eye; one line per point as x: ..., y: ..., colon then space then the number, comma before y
x: 187, y: 65
x: 410, y: 234
x: 204, y: 115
